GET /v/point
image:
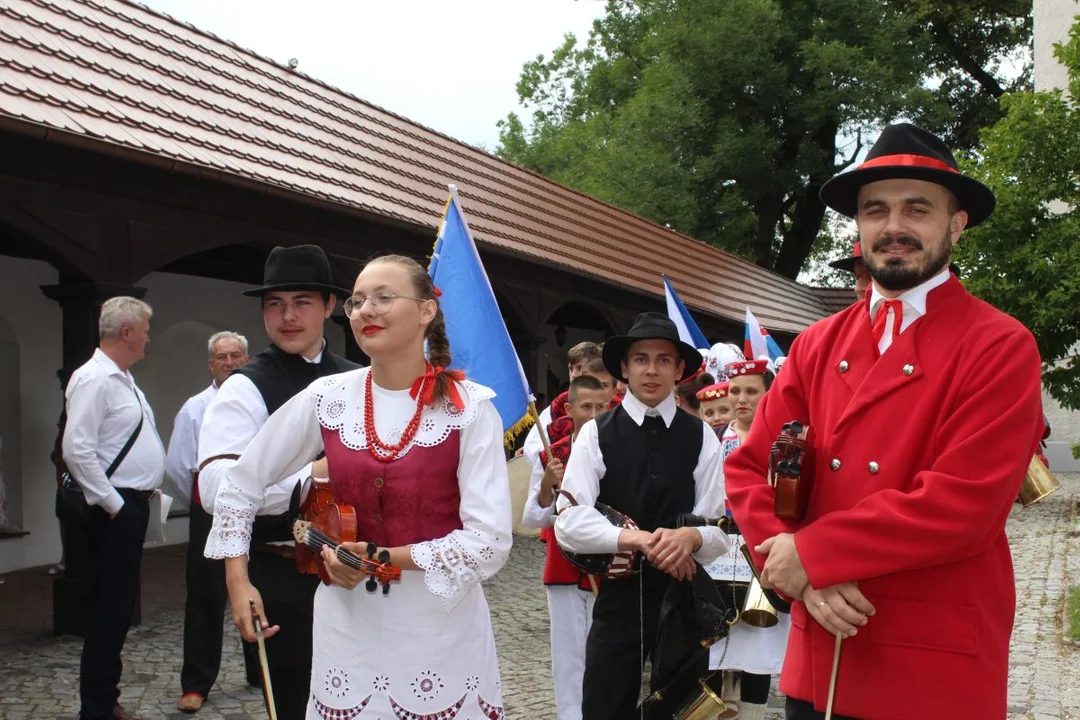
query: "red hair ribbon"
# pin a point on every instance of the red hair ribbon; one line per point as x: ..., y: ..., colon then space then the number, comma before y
x: 909, y: 160
x: 427, y: 382
x: 438, y: 292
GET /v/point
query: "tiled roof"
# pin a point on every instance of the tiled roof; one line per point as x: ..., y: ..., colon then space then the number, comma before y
x: 834, y: 299
x: 117, y: 75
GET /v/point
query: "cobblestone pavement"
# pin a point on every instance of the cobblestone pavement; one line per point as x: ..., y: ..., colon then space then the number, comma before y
x: 38, y: 673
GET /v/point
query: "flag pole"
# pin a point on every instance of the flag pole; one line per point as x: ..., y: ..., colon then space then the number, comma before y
x: 547, y: 453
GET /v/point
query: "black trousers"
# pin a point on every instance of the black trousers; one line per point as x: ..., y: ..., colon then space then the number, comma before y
x: 754, y: 688
x: 795, y: 709
x: 624, y: 627
x: 116, y: 548
x: 204, y: 613
x: 289, y: 599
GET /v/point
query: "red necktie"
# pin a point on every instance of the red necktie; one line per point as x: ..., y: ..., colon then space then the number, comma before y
x: 878, y: 330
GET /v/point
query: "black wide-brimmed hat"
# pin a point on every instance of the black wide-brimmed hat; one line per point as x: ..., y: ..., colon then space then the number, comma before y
x: 847, y: 264
x: 906, y: 151
x: 649, y: 326
x: 303, y: 267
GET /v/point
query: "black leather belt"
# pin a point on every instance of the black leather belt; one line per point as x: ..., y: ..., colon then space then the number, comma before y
x: 144, y: 495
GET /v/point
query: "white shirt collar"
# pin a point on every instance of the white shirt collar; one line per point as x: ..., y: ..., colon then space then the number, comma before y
x: 106, y: 362
x: 318, y: 358
x: 637, y: 410
x: 915, y: 298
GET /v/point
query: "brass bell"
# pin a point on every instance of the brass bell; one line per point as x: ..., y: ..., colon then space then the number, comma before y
x: 757, y: 610
x: 706, y: 705
x: 1038, y: 482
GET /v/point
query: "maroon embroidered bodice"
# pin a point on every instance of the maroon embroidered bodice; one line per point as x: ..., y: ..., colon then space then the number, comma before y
x: 405, y: 501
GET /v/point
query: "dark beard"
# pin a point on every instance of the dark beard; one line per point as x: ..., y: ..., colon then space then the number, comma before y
x: 894, y: 276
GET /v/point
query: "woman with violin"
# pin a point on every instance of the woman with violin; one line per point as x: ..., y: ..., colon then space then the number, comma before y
x: 417, y: 471
x: 750, y: 654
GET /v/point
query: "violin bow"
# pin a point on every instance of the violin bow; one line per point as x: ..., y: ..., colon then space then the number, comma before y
x: 835, y: 675
x: 264, y: 668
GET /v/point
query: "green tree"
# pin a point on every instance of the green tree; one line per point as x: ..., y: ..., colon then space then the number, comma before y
x: 723, y: 118
x: 1026, y: 259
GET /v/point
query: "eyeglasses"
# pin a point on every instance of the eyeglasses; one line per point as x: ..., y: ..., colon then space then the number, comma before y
x: 380, y: 303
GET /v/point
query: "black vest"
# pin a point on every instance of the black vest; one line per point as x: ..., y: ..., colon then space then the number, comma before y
x: 279, y: 376
x: 649, y: 468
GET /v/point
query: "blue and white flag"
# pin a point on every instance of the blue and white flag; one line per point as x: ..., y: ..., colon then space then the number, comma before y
x: 689, y: 332
x: 479, y: 341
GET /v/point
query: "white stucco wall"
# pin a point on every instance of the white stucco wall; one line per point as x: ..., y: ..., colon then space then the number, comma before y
x: 1053, y: 18
x: 187, y: 310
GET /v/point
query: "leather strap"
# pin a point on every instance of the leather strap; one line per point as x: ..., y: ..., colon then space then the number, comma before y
x: 225, y: 456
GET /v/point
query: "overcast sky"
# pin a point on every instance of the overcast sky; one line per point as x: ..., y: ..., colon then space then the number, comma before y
x: 452, y: 66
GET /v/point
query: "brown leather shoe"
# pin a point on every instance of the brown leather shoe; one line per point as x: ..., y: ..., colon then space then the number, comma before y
x: 190, y: 702
x: 119, y: 713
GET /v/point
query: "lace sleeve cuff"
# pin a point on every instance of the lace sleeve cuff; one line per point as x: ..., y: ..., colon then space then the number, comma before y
x: 451, y: 571
x: 230, y: 535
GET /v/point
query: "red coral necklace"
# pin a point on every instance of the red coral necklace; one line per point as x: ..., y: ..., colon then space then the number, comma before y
x: 378, y: 449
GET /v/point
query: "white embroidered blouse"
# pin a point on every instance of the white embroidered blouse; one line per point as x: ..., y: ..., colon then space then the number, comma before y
x: 453, y: 564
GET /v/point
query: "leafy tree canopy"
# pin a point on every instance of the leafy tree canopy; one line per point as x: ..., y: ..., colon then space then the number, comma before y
x: 722, y: 118
x: 1026, y: 258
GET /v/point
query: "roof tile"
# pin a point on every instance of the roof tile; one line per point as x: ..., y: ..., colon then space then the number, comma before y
x: 117, y: 71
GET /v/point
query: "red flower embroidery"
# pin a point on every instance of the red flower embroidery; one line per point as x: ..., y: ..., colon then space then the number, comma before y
x: 448, y: 714
x: 328, y: 713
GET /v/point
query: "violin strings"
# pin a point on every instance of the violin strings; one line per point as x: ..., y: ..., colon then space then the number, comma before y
x: 316, y: 539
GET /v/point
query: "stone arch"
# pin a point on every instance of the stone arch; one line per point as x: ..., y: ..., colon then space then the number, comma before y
x: 10, y: 425
x: 570, y: 323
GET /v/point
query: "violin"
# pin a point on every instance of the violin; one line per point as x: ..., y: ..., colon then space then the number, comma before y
x: 791, y: 462
x: 324, y: 522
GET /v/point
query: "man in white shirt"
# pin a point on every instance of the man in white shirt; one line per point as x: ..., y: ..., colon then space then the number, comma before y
x: 298, y: 296
x: 106, y: 413
x: 652, y: 463
x: 204, y: 611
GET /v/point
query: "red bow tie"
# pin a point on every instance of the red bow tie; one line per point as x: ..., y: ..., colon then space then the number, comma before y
x: 426, y: 384
x: 878, y: 329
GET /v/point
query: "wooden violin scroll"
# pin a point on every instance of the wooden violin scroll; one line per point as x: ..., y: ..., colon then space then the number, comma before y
x: 791, y: 463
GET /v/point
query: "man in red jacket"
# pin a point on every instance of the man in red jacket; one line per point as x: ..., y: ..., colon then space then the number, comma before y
x: 916, y: 398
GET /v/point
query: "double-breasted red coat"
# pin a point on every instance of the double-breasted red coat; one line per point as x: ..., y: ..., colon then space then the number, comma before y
x: 920, y: 454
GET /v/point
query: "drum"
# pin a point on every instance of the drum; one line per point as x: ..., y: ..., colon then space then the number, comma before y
x: 519, y: 471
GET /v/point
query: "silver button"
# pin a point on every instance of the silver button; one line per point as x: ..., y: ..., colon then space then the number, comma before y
x: 908, y: 369
x: 835, y: 464
x: 873, y: 467
x: 843, y: 366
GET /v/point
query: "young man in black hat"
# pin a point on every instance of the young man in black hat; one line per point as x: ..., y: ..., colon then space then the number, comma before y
x: 298, y: 296
x: 653, y: 463
x: 925, y: 405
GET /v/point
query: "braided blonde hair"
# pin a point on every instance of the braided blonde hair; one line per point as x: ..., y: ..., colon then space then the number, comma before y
x: 438, y: 342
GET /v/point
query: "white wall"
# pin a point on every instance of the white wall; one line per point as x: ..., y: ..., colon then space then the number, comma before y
x: 35, y: 323
x: 187, y: 310
x: 1053, y: 18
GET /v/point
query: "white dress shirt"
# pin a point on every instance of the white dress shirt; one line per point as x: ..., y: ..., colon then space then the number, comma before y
x: 914, y: 306
x: 533, y: 444
x: 103, y: 409
x: 182, y: 460
x: 582, y: 529
x: 534, y: 515
x: 232, y: 420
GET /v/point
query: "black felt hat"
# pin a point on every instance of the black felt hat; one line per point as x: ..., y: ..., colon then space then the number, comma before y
x: 906, y: 151
x: 649, y: 326
x: 303, y: 267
